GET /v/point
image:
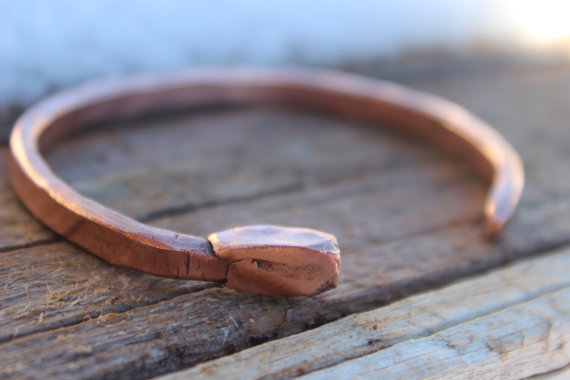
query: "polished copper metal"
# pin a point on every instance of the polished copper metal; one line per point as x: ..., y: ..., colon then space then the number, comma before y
x: 123, y: 241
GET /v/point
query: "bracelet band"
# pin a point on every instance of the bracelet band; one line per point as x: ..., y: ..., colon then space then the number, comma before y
x: 259, y: 259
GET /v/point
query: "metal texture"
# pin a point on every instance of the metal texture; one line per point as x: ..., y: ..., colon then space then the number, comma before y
x: 123, y: 241
x: 278, y: 260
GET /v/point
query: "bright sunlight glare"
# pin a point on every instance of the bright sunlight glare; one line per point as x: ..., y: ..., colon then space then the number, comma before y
x: 540, y: 22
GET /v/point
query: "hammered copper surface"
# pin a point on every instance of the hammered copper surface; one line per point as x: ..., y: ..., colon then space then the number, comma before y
x: 278, y: 260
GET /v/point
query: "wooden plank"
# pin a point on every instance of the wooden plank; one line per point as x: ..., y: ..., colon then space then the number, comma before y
x: 276, y: 134
x: 430, y: 316
x: 317, y: 151
x: 34, y: 267
x: 42, y: 294
x: 429, y: 209
x: 54, y: 285
x: 560, y: 374
x: 43, y: 262
x: 193, y: 327
x: 201, y: 171
x: 514, y: 343
x: 43, y: 302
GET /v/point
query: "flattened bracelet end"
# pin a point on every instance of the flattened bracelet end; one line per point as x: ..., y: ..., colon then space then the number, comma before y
x: 276, y: 260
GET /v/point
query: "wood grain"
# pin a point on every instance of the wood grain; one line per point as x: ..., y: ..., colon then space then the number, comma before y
x: 433, y: 329
x: 514, y: 343
x: 160, y: 325
x: 559, y: 374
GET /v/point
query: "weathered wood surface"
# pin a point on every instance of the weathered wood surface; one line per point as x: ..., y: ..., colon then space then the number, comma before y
x: 512, y: 344
x: 559, y: 374
x: 406, y: 218
x: 510, y: 323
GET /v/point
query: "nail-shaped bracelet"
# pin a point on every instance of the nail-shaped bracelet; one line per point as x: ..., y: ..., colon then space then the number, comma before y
x: 260, y: 259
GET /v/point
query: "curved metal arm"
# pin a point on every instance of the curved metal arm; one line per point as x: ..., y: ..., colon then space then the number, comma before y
x: 123, y: 241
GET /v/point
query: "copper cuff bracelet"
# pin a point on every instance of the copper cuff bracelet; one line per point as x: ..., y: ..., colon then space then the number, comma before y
x: 260, y: 259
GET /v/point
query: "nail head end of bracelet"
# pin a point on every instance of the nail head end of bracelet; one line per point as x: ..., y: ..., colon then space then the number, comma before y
x: 276, y: 260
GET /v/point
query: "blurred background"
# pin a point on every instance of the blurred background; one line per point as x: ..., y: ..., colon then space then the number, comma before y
x: 49, y: 45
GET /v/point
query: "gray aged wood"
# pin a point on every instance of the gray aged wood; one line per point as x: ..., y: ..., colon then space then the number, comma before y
x: 453, y: 324
x: 406, y: 220
x: 559, y: 374
x: 512, y: 344
x: 516, y: 342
